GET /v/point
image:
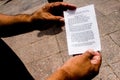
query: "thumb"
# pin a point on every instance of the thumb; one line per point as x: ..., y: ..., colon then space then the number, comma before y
x: 96, y: 58
x: 93, y: 56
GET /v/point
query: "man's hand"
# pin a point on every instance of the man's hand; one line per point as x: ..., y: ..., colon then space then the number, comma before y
x: 83, y: 67
x: 44, y: 18
x: 80, y: 67
x: 50, y: 13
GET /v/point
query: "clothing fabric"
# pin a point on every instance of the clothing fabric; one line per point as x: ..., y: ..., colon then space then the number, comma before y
x: 11, y: 67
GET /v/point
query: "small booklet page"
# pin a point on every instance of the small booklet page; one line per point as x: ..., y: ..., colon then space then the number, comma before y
x: 82, y: 30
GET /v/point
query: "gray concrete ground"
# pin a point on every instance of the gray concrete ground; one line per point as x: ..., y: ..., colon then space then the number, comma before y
x: 42, y: 52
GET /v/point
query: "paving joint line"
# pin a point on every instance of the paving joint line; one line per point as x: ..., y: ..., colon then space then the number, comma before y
x: 115, y: 62
x: 113, y: 41
x: 112, y: 69
x: 59, y: 48
x: 107, y: 34
x: 45, y: 57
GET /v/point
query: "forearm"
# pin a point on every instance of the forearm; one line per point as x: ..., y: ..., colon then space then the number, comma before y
x: 7, y: 20
x: 13, y: 25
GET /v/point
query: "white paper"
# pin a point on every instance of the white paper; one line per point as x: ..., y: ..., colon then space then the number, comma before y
x: 82, y: 30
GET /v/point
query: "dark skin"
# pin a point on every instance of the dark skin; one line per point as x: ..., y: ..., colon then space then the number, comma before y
x: 80, y: 67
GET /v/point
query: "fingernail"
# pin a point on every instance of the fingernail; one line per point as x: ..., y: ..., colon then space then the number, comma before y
x: 62, y: 19
x: 90, y: 50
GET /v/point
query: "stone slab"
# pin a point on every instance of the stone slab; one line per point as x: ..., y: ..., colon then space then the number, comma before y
x: 116, y: 68
x: 16, y: 42
x: 115, y: 17
x: 110, y: 50
x: 106, y: 26
x: 61, y: 38
x: 65, y: 56
x: 109, y: 6
x: 116, y: 37
x: 38, y: 50
x: 106, y: 73
x: 18, y: 6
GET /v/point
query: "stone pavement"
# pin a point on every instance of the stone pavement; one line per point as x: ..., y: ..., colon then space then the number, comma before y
x: 43, y: 52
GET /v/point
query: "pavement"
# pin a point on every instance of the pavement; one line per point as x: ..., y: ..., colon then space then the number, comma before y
x: 43, y: 52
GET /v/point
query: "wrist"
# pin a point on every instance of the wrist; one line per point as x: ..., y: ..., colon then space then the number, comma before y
x: 73, y: 72
x: 60, y: 74
x: 68, y: 72
x: 65, y: 74
x: 26, y: 20
x: 23, y: 18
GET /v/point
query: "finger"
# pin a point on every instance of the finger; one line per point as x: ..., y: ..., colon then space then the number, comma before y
x: 55, y: 18
x: 96, y: 61
x: 61, y: 5
x: 96, y: 58
x: 50, y: 17
x: 62, y: 20
x: 89, y: 54
x: 69, y: 6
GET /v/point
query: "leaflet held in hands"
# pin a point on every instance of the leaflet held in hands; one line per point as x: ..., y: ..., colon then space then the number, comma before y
x: 82, y: 30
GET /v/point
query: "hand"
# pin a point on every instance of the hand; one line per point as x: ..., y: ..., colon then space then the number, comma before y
x: 83, y: 67
x: 50, y: 13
